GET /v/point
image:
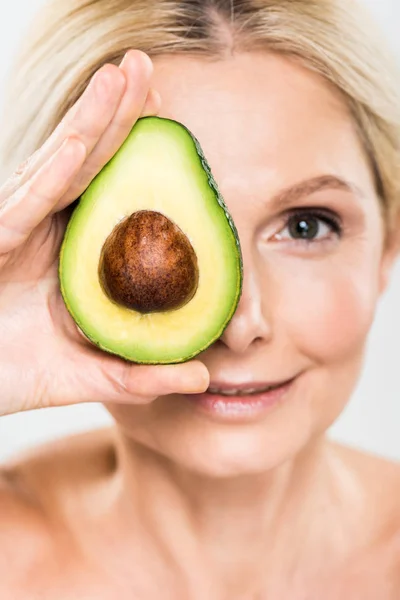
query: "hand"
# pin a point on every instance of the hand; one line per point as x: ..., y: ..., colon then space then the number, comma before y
x: 44, y: 359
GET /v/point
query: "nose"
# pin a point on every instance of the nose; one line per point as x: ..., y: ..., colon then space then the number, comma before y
x: 249, y: 325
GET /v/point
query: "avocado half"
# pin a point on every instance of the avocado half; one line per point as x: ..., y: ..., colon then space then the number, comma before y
x: 150, y: 266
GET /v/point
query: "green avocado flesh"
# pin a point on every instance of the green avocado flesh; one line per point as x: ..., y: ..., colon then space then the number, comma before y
x: 150, y: 265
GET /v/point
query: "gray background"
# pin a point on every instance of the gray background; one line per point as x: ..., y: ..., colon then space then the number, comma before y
x: 371, y: 420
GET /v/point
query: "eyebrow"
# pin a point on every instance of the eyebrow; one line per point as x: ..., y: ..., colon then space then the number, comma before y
x: 307, y: 187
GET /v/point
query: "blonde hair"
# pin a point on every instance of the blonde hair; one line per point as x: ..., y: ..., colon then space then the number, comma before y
x: 70, y: 39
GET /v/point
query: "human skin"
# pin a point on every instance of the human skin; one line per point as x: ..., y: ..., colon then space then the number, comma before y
x: 195, y: 505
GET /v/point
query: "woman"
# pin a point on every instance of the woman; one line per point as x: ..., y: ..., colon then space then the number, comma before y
x: 209, y: 486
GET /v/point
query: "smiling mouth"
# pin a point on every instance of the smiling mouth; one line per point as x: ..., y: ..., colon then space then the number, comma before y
x: 241, y: 402
x: 245, y: 391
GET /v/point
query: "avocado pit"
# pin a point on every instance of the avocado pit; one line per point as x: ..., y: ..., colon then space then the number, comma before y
x: 148, y: 264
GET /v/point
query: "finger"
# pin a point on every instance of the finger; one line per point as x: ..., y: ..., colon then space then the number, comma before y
x: 86, y: 120
x: 152, y: 105
x: 97, y: 377
x: 126, y: 382
x: 137, y: 68
x: 149, y: 382
x: 32, y: 202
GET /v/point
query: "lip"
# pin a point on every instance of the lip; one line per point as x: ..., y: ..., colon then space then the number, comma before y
x: 254, y: 385
x: 241, y: 407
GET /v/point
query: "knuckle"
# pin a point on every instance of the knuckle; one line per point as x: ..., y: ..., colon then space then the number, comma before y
x: 119, y: 385
x: 117, y: 378
x: 16, y: 179
x: 22, y: 168
x: 139, y: 383
x: 34, y: 190
x: 122, y: 125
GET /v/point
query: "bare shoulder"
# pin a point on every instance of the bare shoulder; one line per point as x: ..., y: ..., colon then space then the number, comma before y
x: 24, y: 536
x: 52, y: 469
x: 378, y: 473
x: 35, y: 494
x: 376, y: 485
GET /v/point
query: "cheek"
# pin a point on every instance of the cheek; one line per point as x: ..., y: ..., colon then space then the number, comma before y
x: 333, y: 311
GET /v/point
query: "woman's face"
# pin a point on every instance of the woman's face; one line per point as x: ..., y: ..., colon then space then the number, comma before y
x: 278, y: 140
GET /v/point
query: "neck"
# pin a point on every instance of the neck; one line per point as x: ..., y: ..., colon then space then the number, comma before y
x: 236, y: 532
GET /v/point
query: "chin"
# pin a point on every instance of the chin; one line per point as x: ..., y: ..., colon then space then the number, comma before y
x: 193, y: 437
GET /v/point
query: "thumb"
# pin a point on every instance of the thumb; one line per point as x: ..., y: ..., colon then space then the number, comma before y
x: 110, y: 379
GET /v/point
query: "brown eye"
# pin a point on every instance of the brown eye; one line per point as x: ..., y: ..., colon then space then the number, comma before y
x: 306, y: 227
x: 310, y: 226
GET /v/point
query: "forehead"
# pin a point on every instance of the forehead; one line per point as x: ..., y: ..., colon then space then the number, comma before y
x: 261, y: 110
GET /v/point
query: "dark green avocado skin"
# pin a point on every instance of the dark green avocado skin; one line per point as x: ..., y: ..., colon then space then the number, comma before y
x: 213, y: 184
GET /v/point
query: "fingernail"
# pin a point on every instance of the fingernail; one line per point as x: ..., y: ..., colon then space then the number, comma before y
x: 123, y: 60
x: 152, y: 104
x: 196, y: 384
x: 148, y: 63
x: 156, y: 96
